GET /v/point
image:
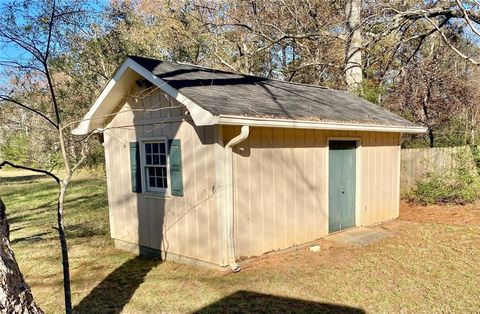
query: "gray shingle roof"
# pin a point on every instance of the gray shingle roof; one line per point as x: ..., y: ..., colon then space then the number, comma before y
x: 226, y: 93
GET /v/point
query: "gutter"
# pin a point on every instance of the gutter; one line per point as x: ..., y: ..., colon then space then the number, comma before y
x: 229, y: 201
x: 320, y: 125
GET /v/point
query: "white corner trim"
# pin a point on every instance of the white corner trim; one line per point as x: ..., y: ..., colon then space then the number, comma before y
x: 321, y: 125
x: 199, y: 115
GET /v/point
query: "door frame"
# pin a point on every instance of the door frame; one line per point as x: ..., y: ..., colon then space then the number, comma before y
x: 358, y: 154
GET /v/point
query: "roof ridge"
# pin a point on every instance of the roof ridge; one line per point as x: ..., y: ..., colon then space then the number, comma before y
x: 303, y: 84
x: 257, y: 76
x: 238, y: 73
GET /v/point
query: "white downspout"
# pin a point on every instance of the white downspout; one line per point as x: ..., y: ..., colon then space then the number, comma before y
x: 229, y: 196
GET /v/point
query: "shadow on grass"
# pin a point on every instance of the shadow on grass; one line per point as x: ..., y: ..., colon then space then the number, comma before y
x: 253, y: 302
x: 33, y: 238
x: 21, y: 179
x: 116, y: 290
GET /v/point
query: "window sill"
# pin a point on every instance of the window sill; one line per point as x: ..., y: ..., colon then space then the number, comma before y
x: 156, y: 195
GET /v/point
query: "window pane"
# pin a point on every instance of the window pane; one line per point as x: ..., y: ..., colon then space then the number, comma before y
x: 155, y: 158
x: 159, y: 183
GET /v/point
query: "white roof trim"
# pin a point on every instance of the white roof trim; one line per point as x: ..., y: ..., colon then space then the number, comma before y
x: 321, y: 125
x: 90, y: 122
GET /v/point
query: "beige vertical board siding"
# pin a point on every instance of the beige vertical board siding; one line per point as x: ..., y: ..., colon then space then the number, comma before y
x: 310, y: 184
x: 290, y: 180
x: 243, y: 189
x: 285, y: 170
x: 301, y: 181
x: 110, y: 165
x: 399, y: 162
x: 268, y: 184
x: 380, y: 154
x: 185, y: 225
x: 255, y: 180
x: 281, y: 213
x: 320, y: 188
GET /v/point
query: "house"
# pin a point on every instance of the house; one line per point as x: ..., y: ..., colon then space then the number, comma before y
x: 213, y: 167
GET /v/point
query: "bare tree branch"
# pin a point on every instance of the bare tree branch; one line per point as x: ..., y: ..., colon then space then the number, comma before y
x: 50, y: 30
x: 6, y: 98
x: 48, y: 173
x: 465, y: 14
x: 449, y: 44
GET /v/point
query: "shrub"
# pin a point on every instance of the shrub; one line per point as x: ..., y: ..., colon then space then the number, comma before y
x: 459, y: 185
x: 15, y: 148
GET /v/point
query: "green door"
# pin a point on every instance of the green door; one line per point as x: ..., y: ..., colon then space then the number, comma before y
x: 341, y: 185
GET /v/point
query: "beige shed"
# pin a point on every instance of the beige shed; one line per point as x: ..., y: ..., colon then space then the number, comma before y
x: 214, y: 167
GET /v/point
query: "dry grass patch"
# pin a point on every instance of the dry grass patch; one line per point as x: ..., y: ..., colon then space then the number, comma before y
x: 468, y: 214
x: 426, y: 267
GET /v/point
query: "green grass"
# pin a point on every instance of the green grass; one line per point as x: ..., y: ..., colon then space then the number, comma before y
x: 426, y: 268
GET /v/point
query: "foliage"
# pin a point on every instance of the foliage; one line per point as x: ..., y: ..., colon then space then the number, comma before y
x: 371, y: 91
x: 476, y: 156
x: 460, y: 185
x: 438, y: 94
x: 15, y: 147
x: 26, y: 150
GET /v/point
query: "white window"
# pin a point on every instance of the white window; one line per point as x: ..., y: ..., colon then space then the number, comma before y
x: 154, y: 165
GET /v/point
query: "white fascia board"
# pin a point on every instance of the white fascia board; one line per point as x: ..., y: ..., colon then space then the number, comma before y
x: 320, y: 125
x: 199, y: 115
x: 90, y: 122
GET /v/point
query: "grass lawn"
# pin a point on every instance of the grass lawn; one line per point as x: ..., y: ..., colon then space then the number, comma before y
x: 431, y: 265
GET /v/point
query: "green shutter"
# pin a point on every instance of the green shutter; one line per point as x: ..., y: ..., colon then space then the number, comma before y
x: 175, y: 158
x: 135, y: 175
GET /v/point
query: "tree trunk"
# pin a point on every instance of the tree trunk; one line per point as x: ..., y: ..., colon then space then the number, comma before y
x: 353, y: 58
x: 63, y: 244
x: 431, y: 138
x: 60, y: 227
x: 15, y: 294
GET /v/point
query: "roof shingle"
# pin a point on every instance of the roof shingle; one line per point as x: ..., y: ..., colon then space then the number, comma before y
x: 226, y: 93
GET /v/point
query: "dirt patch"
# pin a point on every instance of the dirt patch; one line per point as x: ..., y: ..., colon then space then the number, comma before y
x: 334, y: 254
x: 441, y: 214
x: 331, y: 254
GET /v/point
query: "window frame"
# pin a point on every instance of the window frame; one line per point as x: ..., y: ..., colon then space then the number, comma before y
x: 143, y: 165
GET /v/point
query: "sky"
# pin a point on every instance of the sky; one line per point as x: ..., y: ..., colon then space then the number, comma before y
x: 13, y: 52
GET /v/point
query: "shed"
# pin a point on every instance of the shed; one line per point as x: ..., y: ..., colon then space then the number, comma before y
x: 214, y: 167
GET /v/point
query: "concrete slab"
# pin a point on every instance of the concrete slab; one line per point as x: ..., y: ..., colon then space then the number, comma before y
x: 360, y: 236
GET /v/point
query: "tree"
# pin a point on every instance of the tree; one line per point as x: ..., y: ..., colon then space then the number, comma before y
x: 436, y: 90
x: 39, y: 29
x: 353, y: 60
x: 15, y: 294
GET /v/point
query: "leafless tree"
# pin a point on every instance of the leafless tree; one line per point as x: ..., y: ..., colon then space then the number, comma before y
x: 36, y: 29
